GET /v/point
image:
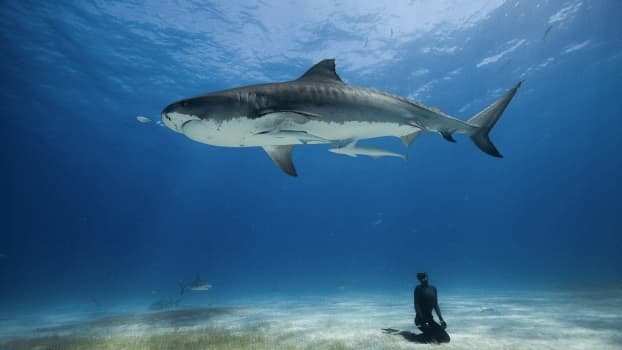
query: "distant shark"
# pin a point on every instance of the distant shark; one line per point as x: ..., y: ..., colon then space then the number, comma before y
x: 197, y: 285
x: 352, y: 150
x: 318, y: 107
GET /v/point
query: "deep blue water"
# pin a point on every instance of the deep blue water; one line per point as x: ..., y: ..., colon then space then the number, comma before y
x: 95, y: 204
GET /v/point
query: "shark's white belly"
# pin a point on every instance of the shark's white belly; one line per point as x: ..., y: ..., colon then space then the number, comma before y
x: 264, y: 131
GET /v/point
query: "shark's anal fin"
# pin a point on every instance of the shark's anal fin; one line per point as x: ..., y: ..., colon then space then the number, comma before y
x: 408, y: 139
x: 282, y: 157
x: 447, y: 136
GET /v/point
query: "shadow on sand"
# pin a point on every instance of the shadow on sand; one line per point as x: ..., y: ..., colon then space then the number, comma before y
x: 410, y: 336
x: 169, y: 318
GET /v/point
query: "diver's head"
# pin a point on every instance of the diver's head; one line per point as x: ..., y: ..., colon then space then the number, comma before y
x: 422, y: 277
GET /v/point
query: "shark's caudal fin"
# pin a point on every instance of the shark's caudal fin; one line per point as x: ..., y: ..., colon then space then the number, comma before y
x: 182, y: 287
x: 486, y: 119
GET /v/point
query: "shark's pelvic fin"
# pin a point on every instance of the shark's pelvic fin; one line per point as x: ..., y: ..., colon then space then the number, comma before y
x: 323, y: 71
x: 282, y: 157
x: 408, y: 139
x: 486, y: 119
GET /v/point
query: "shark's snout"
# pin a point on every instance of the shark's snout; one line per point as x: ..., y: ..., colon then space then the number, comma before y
x: 169, y: 122
x: 166, y: 118
x: 174, y: 116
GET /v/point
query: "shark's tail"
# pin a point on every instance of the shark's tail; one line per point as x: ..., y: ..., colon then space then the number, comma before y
x: 486, y: 119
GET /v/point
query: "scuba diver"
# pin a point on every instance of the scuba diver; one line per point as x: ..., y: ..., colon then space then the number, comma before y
x: 425, y: 300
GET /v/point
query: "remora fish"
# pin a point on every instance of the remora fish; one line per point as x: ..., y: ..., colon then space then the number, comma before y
x: 197, y: 284
x: 143, y: 119
x: 319, y: 104
x: 352, y: 150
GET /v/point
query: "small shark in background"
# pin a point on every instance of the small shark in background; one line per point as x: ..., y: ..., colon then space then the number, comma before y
x: 319, y: 108
x: 197, y: 285
x: 352, y: 150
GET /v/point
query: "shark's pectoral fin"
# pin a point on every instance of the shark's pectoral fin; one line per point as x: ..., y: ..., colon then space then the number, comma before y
x: 447, y: 136
x: 408, y: 139
x: 282, y: 156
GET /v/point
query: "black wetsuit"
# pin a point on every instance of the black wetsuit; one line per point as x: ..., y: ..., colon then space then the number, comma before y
x: 426, y: 300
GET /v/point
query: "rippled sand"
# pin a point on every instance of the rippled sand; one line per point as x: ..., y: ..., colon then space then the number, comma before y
x: 586, y: 320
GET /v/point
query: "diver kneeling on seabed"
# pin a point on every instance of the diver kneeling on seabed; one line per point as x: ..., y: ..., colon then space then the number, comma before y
x: 426, y: 300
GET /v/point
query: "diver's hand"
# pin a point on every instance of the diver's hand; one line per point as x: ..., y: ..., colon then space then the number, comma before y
x: 443, y: 324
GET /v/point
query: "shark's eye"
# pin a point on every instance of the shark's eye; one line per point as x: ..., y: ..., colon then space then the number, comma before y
x: 185, y: 104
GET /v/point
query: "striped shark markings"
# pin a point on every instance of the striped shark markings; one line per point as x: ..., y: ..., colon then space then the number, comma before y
x: 319, y: 108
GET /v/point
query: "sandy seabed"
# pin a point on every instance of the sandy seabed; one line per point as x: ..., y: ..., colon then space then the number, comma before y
x: 552, y: 320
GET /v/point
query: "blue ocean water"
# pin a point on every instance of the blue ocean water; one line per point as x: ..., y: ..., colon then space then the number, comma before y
x: 99, y: 208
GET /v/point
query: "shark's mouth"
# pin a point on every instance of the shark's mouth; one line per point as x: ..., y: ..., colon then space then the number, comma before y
x: 181, y: 128
x: 191, y: 118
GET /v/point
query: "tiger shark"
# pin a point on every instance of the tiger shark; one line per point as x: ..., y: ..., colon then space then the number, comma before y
x: 318, y: 108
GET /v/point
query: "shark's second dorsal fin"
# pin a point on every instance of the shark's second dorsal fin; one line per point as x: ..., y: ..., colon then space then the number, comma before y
x: 323, y: 71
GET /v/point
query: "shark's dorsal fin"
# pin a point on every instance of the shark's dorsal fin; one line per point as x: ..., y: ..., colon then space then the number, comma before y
x: 323, y: 71
x: 282, y: 157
